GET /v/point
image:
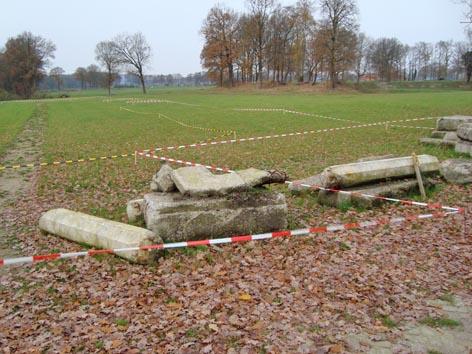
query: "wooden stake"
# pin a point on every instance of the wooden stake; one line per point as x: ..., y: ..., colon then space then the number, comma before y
x: 416, y: 165
x: 135, y: 157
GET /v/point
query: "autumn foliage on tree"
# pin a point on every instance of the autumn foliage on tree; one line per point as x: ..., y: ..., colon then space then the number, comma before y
x: 23, y: 62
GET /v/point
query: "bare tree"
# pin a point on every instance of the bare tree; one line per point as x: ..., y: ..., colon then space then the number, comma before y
x: 467, y: 58
x: 135, y: 52
x: 80, y: 74
x: 259, y: 12
x: 340, y: 18
x: 444, y: 52
x: 56, y: 74
x: 361, y: 61
x: 107, y: 56
x: 386, y: 57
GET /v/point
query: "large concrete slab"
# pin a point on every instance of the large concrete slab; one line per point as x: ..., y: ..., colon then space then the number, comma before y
x: 464, y: 132
x: 452, y: 123
x: 177, y: 218
x: 99, y: 233
x: 457, y: 171
x: 393, y: 189
x: 438, y: 142
x: 464, y: 147
x: 199, y: 182
x: 315, y: 180
x: 359, y: 173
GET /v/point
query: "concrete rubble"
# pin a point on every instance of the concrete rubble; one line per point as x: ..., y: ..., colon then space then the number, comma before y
x: 99, y: 233
x: 457, y: 171
x: 206, y: 205
x: 455, y: 132
x: 391, y: 177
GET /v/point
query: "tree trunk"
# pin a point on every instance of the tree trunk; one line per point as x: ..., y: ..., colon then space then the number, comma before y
x: 141, y: 79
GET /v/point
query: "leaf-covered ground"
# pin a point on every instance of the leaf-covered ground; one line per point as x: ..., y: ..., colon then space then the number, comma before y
x: 292, y: 295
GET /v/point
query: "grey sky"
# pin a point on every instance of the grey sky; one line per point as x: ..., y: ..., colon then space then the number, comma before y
x: 172, y: 26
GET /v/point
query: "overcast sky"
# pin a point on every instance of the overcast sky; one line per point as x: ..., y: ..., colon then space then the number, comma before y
x: 172, y: 26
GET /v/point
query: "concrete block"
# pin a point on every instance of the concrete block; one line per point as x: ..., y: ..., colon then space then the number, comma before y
x: 178, y: 218
x: 99, y: 233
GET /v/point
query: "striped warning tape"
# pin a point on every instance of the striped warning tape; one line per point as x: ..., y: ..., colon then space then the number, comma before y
x: 276, y: 136
x: 283, y: 110
x: 410, y: 127
x: 307, y: 186
x: 182, y: 162
x: 150, y: 101
x: 64, y: 162
x: 182, y: 124
x: 221, y: 142
x: 370, y: 196
x: 235, y: 239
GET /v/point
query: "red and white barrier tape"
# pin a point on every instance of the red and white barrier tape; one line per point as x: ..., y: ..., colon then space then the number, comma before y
x: 275, y: 136
x: 226, y: 240
x: 181, y: 162
x: 432, y: 206
x: 370, y: 196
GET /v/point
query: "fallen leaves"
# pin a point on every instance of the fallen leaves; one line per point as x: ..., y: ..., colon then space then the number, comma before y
x: 245, y: 297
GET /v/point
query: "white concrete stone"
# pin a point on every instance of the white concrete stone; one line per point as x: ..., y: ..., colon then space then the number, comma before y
x: 162, y: 180
x: 452, y: 123
x: 254, y: 177
x: 134, y: 210
x: 199, y: 182
x: 359, y: 173
x: 99, y: 233
x: 464, y: 132
x: 457, y: 171
x: 464, y: 147
x: 178, y: 218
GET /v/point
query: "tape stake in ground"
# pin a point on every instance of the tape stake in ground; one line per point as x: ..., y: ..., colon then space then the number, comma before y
x: 234, y: 239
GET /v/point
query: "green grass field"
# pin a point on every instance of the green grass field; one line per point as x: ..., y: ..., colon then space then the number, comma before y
x: 12, y: 118
x: 90, y: 126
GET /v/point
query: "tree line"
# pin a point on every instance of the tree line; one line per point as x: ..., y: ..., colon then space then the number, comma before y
x: 24, y: 60
x: 282, y: 44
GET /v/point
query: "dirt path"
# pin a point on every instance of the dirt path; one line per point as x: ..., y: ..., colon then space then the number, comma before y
x: 16, y: 182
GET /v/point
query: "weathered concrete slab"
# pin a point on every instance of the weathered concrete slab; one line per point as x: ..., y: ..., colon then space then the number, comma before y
x: 452, y: 123
x: 199, y: 182
x: 437, y: 142
x: 375, y: 158
x: 99, y: 233
x: 392, y: 189
x: 438, y: 134
x: 464, y: 132
x: 254, y: 177
x: 359, y: 173
x: 162, y: 180
x: 316, y: 180
x: 464, y: 147
x: 451, y: 136
x: 134, y: 210
x: 177, y: 218
x: 457, y: 171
